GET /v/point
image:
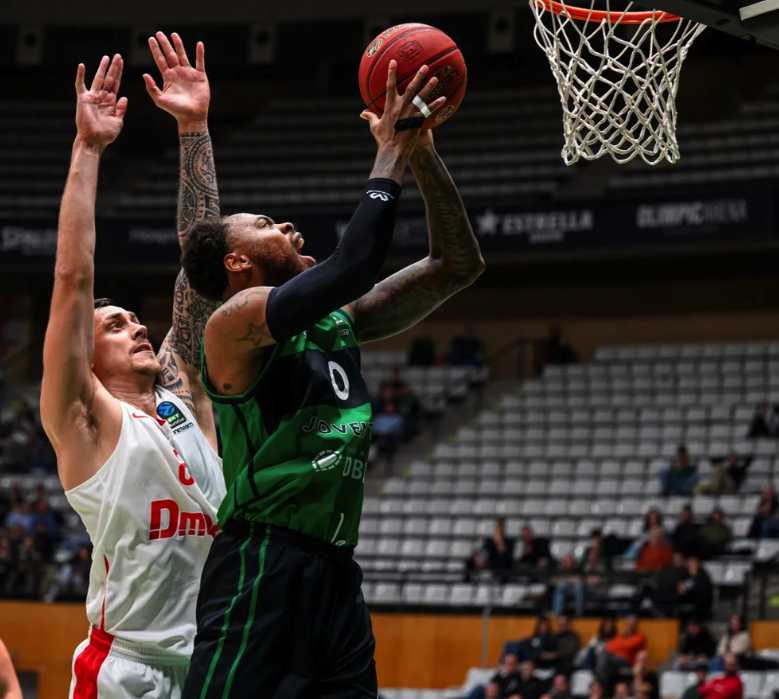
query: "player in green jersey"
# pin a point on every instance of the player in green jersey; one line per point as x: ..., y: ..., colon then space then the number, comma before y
x: 280, y: 612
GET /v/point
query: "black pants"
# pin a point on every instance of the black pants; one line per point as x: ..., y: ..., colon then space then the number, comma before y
x: 280, y: 615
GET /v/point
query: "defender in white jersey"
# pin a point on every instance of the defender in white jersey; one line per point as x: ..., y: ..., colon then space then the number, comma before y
x: 133, y: 431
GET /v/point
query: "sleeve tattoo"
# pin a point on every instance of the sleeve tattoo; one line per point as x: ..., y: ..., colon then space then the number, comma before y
x: 403, y: 299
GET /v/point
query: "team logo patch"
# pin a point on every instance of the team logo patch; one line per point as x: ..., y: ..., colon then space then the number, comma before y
x: 374, y: 47
x: 171, y: 414
x: 326, y: 460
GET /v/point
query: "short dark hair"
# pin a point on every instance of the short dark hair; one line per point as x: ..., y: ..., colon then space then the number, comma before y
x: 202, y: 257
x: 102, y: 303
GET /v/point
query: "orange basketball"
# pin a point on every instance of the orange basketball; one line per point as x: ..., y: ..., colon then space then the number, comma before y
x: 412, y: 46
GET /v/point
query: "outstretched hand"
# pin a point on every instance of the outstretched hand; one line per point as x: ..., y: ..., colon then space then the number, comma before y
x: 400, y: 107
x: 99, y: 115
x: 185, y: 92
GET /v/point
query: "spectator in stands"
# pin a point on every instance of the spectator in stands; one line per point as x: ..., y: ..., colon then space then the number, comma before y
x: 567, y: 645
x: 596, y: 646
x: 665, y: 596
x: 72, y: 580
x: 491, y: 691
x: 23, y: 578
x: 557, y: 350
x: 474, y: 565
x: 656, y: 553
x: 643, y: 674
x: 466, y: 349
x: 535, y: 550
x: 7, y: 561
x: 693, y: 691
x: 499, y: 549
x: 685, y: 533
x: 387, y: 426
x: 540, y: 647
x: 422, y: 351
x: 728, y: 686
x: 596, y: 690
x: 681, y: 477
x: 595, y: 560
x: 622, y: 690
x: 530, y: 687
x: 560, y: 688
x: 765, y: 524
x: 621, y: 652
x: 696, y: 590
x: 734, y: 642
x: 42, y: 516
x: 714, y: 535
x: 568, y: 585
x: 695, y: 646
x: 646, y: 691
x: 508, y: 678
x: 726, y: 475
x: 19, y: 520
x: 653, y: 519
x: 765, y: 421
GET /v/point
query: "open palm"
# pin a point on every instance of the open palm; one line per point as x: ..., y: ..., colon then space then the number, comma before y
x: 99, y: 114
x: 185, y: 92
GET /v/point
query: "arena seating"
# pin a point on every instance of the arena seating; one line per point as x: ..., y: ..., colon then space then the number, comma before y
x: 578, y: 449
x: 316, y: 154
x: 742, y: 148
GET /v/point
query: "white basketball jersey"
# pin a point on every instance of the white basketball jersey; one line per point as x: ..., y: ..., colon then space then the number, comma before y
x: 151, y: 514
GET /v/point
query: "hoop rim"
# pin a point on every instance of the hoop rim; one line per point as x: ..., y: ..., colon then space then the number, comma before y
x: 591, y: 15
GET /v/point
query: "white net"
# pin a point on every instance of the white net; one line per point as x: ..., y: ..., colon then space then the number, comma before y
x: 617, y: 80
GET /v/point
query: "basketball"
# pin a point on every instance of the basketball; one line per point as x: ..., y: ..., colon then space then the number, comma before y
x: 413, y: 46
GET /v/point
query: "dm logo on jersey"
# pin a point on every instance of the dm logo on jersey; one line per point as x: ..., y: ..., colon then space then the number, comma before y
x: 326, y: 460
x: 170, y: 413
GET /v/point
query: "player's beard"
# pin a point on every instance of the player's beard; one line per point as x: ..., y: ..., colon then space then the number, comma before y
x: 279, y: 265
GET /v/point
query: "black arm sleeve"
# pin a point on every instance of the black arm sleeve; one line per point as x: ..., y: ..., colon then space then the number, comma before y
x: 347, y: 274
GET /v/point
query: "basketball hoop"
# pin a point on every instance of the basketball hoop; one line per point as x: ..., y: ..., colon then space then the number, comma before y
x: 618, y: 87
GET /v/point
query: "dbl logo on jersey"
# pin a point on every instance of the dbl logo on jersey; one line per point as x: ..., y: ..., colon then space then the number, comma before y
x: 171, y: 414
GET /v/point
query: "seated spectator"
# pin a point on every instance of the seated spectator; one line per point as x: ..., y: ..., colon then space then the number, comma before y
x: 530, y: 687
x: 665, y: 597
x: 693, y: 691
x: 72, y: 580
x: 557, y: 350
x: 764, y: 421
x: 534, y: 551
x: 646, y: 691
x: 595, y: 559
x: 765, y: 524
x: 560, y: 688
x: 622, y: 690
x: 473, y: 566
x: 685, y: 533
x: 728, y: 686
x: 508, y: 678
x: 714, y: 535
x: 7, y: 561
x: 388, y: 425
x: 644, y: 675
x: 621, y: 652
x: 727, y: 476
x: 422, y: 352
x: 24, y: 576
x: 656, y: 553
x: 44, y: 542
x: 499, y: 549
x: 596, y: 690
x: 567, y: 645
x: 568, y: 586
x: 540, y: 647
x: 734, y: 642
x: 19, y: 520
x: 42, y: 515
x: 466, y: 349
x: 596, y: 646
x: 682, y: 476
x: 695, y: 646
x: 490, y: 691
x: 697, y: 590
x: 653, y: 519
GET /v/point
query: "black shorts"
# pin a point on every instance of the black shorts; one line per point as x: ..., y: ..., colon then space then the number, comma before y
x: 280, y: 615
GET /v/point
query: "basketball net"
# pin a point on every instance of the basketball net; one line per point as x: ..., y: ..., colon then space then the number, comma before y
x: 616, y: 77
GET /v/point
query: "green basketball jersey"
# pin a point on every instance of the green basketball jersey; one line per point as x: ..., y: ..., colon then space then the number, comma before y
x: 295, y: 444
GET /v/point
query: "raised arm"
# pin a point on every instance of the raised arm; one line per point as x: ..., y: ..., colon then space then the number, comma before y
x: 186, y: 95
x: 70, y: 390
x: 403, y: 299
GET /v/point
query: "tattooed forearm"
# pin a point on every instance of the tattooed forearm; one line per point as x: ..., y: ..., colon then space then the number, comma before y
x: 170, y: 378
x: 405, y: 298
x: 190, y: 315
x: 198, y: 194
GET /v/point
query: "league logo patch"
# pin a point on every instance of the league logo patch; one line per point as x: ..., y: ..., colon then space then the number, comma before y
x: 171, y: 414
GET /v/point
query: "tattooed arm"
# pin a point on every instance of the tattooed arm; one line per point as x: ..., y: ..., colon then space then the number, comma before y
x: 403, y: 299
x: 186, y: 96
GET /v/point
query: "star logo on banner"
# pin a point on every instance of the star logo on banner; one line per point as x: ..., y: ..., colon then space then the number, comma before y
x: 487, y: 223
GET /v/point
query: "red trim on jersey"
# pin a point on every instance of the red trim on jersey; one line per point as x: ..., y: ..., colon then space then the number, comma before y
x: 159, y: 420
x: 89, y: 662
x: 105, y: 594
